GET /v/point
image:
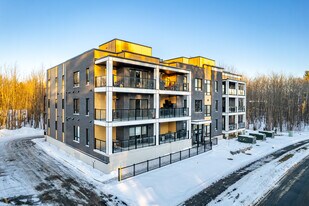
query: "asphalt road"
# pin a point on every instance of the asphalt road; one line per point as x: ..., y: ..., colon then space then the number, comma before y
x: 293, y: 189
x: 29, y: 176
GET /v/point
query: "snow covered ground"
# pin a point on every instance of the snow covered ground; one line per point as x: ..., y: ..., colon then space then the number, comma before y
x: 173, y: 184
x: 253, y: 186
x: 19, y: 133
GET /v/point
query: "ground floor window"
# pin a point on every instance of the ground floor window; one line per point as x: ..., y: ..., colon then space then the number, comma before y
x: 76, y: 133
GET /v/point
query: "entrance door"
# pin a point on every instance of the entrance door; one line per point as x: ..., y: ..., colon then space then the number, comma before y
x: 197, y: 134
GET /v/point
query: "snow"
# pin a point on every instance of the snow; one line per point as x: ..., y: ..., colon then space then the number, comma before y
x: 6, y: 134
x: 72, y: 162
x: 260, y: 181
x: 173, y: 184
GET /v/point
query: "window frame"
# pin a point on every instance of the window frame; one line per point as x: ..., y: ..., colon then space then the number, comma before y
x: 198, y: 84
x: 200, y: 106
x: 207, y: 110
x: 87, y: 76
x: 87, y: 106
x: 76, y: 106
x: 76, y: 79
x: 76, y: 137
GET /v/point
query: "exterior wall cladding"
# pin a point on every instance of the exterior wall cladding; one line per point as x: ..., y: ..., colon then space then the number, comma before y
x: 166, y: 132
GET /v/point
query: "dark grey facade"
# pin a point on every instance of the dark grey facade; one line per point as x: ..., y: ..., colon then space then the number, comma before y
x: 216, y: 115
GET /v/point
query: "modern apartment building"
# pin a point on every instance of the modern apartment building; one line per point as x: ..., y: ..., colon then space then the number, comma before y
x: 121, y: 105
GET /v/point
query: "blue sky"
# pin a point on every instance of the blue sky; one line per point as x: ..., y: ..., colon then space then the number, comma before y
x: 253, y: 36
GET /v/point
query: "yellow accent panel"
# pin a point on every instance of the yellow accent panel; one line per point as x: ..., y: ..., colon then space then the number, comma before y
x: 99, y: 54
x: 167, y: 127
x: 184, y: 60
x: 99, y: 70
x: 100, y: 132
x: 118, y: 45
x: 207, y: 99
x: 200, y: 61
x: 208, y: 119
x: 139, y: 57
x: 99, y: 100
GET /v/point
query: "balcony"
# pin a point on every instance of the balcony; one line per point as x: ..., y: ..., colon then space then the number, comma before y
x: 125, y: 81
x: 173, y: 112
x: 241, y: 92
x: 232, y: 91
x: 173, y: 136
x: 132, y: 144
x: 241, y: 125
x: 241, y: 109
x: 100, y: 81
x: 133, y: 82
x: 232, y: 126
x: 173, y: 86
x: 232, y: 109
x: 100, y: 145
x: 100, y: 114
x: 133, y: 114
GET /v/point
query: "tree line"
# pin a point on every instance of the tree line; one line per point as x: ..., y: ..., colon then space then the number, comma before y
x: 21, y: 98
x: 278, y: 101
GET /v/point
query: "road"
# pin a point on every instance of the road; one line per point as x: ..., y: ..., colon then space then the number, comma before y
x: 29, y: 176
x: 293, y: 189
x: 211, y: 192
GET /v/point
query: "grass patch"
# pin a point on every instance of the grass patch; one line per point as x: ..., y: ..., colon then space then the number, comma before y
x: 286, y: 157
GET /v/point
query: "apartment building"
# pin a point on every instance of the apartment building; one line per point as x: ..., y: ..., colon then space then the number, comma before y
x: 121, y: 105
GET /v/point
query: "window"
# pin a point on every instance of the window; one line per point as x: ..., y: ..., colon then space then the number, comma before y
x: 208, y: 91
x: 87, y: 137
x: 87, y: 106
x: 207, y: 110
x: 56, y: 125
x: 198, y: 84
x: 76, y: 133
x: 216, y: 86
x: 56, y: 83
x: 138, y: 132
x: 48, y: 103
x: 87, y: 76
x: 62, y: 126
x: 56, y: 105
x: 216, y: 105
x: 216, y: 124
x: 76, y: 79
x: 76, y: 106
x: 198, y: 105
x: 62, y: 104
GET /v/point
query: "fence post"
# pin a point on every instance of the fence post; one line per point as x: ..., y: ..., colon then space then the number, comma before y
x: 180, y: 154
x: 159, y: 161
x: 170, y: 158
x: 197, y: 150
x: 133, y: 169
x: 147, y: 165
x: 205, y: 146
x: 189, y: 152
x: 119, y: 174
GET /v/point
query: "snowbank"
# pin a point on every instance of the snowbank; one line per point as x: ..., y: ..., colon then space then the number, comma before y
x: 19, y: 133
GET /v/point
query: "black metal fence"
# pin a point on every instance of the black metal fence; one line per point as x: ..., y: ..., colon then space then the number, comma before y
x: 146, y: 166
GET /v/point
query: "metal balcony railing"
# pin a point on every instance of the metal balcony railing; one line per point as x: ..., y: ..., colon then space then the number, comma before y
x: 232, y: 126
x: 100, y: 81
x: 232, y: 109
x: 131, y: 144
x: 100, y: 145
x: 241, y: 125
x: 174, y: 86
x: 100, y: 114
x: 133, y: 114
x: 133, y: 82
x: 173, y: 136
x: 174, y: 112
x: 232, y: 92
x: 241, y: 109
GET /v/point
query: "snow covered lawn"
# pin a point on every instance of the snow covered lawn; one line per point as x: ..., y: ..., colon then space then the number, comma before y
x: 19, y: 133
x: 253, y: 186
x: 173, y: 184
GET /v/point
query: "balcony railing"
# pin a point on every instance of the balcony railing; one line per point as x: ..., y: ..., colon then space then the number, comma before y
x: 133, y: 114
x: 133, y: 82
x: 100, y: 145
x: 100, y: 114
x: 232, y: 92
x: 173, y: 136
x: 232, y: 109
x: 241, y: 125
x: 100, y: 81
x: 241, y: 109
x: 126, y: 145
x: 173, y: 112
x: 174, y: 86
x: 232, y: 126
x: 241, y: 92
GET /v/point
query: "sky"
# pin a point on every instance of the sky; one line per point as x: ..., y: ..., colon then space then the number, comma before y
x: 252, y: 36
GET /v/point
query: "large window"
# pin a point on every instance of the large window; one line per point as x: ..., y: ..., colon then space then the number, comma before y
x: 198, y: 84
x: 87, y: 76
x: 76, y: 106
x: 87, y: 106
x: 76, y: 133
x: 137, y: 132
x: 216, y: 105
x: 216, y: 86
x: 207, y: 83
x: 198, y: 106
x: 207, y: 110
x: 76, y: 79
